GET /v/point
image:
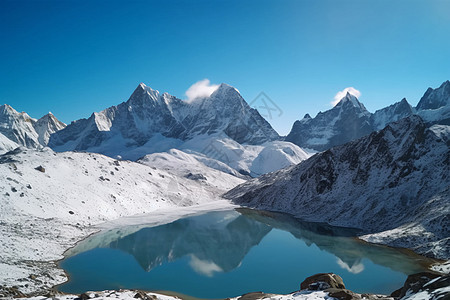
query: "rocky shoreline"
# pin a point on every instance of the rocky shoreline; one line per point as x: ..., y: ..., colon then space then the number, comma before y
x: 425, y: 285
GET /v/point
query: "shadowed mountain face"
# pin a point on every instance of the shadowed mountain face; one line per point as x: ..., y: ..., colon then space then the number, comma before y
x: 347, y: 121
x: 435, y: 98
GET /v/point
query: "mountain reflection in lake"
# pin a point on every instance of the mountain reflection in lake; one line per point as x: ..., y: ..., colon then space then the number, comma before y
x: 225, y: 254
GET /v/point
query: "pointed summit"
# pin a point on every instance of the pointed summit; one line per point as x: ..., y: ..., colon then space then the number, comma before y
x: 6, y: 108
x: 143, y: 94
x: 346, y: 121
x: 351, y: 99
x: 46, y: 126
x: 435, y: 98
x: 224, y: 97
x: 18, y: 127
x: 225, y: 90
x: 391, y: 113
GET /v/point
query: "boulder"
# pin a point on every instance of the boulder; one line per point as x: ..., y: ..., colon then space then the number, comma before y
x: 425, y: 281
x: 83, y: 296
x: 143, y: 295
x: 323, y: 281
x: 342, y: 294
x: 40, y: 169
x: 253, y: 296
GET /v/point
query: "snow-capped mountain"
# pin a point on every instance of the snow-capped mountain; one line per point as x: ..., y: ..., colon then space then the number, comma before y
x: 19, y: 129
x: 435, y: 98
x: 389, y: 114
x: 434, y: 106
x: 226, y: 111
x: 347, y: 121
x: 220, y: 131
x: 391, y: 178
x: 46, y: 126
x: 148, y: 115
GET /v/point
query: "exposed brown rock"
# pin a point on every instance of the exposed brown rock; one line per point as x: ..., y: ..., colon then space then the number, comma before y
x: 313, y: 282
x: 342, y: 294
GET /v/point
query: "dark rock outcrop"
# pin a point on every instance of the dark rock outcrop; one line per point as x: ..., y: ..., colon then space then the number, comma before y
x: 330, y: 279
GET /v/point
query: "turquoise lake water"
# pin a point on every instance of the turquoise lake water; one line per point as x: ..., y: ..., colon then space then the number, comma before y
x: 226, y: 254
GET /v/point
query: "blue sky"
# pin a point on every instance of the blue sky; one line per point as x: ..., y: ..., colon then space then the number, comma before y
x: 76, y: 57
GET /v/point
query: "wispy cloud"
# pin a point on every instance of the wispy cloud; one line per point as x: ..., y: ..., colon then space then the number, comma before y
x: 355, y: 269
x: 203, y: 267
x: 341, y: 94
x: 202, y: 88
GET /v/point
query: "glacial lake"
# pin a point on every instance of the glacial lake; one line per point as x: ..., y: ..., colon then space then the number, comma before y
x: 229, y: 253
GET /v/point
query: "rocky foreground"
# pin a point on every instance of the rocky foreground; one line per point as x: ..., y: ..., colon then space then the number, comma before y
x: 327, y: 286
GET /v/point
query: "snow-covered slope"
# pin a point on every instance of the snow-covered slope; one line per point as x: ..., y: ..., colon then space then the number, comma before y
x: 6, y: 144
x: 148, y: 115
x: 347, y: 121
x: 392, y: 178
x: 20, y: 129
x: 276, y: 155
x: 252, y: 160
x: 226, y: 155
x: 51, y: 200
x: 190, y: 166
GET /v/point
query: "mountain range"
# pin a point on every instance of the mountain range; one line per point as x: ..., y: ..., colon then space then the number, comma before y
x: 20, y: 129
x: 221, y: 131
x: 148, y: 113
x: 350, y: 120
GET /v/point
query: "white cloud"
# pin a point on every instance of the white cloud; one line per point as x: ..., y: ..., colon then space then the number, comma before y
x: 355, y: 269
x: 207, y: 268
x: 341, y: 94
x: 202, y: 88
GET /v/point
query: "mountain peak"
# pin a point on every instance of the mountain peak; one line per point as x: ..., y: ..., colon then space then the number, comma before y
x: 351, y: 99
x: 445, y: 83
x: 227, y: 93
x: 49, y: 115
x: 435, y: 98
x: 142, y: 94
x: 224, y: 89
x: 5, y: 108
x: 143, y: 87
